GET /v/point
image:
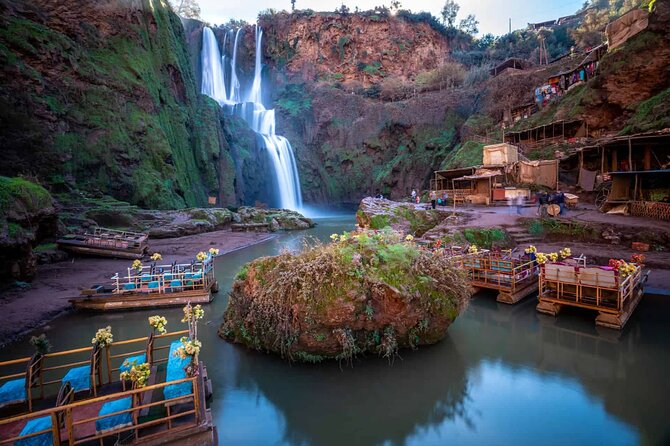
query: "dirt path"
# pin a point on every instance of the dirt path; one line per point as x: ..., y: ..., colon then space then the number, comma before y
x: 47, y: 297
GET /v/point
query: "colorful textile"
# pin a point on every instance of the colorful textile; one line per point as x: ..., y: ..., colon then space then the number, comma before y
x: 128, y: 362
x: 13, y: 391
x: 114, y: 421
x: 36, y: 425
x: 79, y: 378
x: 176, y: 369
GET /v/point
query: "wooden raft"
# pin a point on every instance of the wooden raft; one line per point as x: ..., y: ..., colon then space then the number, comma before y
x: 592, y: 287
x: 513, y: 278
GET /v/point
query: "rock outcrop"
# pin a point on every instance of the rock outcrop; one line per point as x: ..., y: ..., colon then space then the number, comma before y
x: 27, y: 216
x: 100, y: 96
x: 367, y: 292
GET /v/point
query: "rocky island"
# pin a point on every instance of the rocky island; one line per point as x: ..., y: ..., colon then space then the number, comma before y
x: 371, y: 292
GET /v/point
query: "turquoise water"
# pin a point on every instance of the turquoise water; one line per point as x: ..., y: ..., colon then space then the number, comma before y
x: 503, y: 375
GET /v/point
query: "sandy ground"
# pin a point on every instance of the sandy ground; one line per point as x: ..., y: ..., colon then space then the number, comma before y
x: 47, y: 297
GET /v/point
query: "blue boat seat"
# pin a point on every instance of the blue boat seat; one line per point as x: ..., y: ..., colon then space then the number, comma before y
x: 115, y: 421
x: 13, y: 391
x: 36, y: 425
x: 146, y: 277
x: 79, y: 378
x: 167, y: 277
x: 176, y: 370
x: 176, y: 284
x: 153, y: 284
x: 128, y: 286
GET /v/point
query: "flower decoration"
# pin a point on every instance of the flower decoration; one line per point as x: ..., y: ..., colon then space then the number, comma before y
x: 438, y: 243
x: 409, y: 237
x: 531, y: 249
x: 156, y: 256
x: 201, y: 256
x: 189, y: 347
x: 624, y: 268
x: 103, y: 337
x: 637, y: 258
x: 541, y: 258
x: 473, y: 249
x: 214, y: 251
x: 344, y: 237
x: 553, y: 256
x: 138, y: 373
x: 193, y: 313
x: 565, y: 253
x: 158, y: 323
x: 137, y: 264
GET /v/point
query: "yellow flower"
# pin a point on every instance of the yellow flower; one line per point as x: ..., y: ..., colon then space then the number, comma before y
x: 334, y: 237
x: 541, y: 258
x: 565, y: 253
x: 214, y: 251
x: 158, y: 322
x: 156, y: 257
x: 531, y: 249
x: 473, y: 249
x: 201, y: 256
x: 137, y: 264
x: 553, y: 256
x: 409, y: 238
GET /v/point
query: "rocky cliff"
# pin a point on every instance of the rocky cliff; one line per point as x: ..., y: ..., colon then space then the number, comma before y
x: 100, y: 96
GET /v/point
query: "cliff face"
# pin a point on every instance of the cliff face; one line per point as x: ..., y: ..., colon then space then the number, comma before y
x: 100, y: 96
x: 351, y: 47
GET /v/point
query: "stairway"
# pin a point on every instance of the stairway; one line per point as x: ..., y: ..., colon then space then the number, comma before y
x: 520, y: 235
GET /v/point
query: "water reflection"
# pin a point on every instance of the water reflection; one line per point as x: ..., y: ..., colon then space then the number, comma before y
x: 371, y: 403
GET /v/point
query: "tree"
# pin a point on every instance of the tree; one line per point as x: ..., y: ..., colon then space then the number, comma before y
x: 186, y: 8
x: 292, y: 5
x: 449, y: 13
x: 469, y: 25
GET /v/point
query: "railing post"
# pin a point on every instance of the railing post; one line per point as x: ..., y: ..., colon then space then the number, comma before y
x: 55, y: 428
x: 108, y: 356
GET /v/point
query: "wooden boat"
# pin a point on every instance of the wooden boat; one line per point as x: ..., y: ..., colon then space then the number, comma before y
x: 153, y: 286
x: 106, y: 242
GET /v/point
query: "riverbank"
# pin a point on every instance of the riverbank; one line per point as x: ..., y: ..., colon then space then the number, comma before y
x: 46, y: 297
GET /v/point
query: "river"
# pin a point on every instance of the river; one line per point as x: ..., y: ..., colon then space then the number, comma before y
x: 503, y: 375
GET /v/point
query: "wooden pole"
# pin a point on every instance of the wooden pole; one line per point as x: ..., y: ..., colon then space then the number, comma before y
x: 602, y: 160
x: 630, y: 155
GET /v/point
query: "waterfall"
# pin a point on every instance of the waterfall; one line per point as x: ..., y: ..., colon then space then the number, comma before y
x: 255, y: 94
x: 234, y: 82
x: 259, y: 119
x: 212, y: 69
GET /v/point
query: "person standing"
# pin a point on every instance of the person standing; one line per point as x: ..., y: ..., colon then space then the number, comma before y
x: 433, y: 198
x: 559, y: 199
x: 520, y: 199
x: 413, y: 195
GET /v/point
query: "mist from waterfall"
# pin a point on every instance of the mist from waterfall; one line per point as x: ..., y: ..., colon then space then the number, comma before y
x: 259, y: 119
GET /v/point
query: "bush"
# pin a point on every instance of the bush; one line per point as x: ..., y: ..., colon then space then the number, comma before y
x: 447, y: 75
x: 395, y: 89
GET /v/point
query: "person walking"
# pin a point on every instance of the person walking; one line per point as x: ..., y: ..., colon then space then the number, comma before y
x: 413, y: 195
x: 520, y: 199
x: 433, y: 198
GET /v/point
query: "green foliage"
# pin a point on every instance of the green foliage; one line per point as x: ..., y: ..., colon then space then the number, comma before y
x: 484, y: 237
x: 41, y: 343
x: 651, y: 114
x: 379, y: 221
x: 17, y: 193
x: 469, y: 153
x: 561, y: 230
x: 294, y: 100
x: 242, y: 273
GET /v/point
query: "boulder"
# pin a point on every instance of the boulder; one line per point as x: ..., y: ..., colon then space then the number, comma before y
x: 278, y: 219
x: 367, y: 292
x: 27, y: 216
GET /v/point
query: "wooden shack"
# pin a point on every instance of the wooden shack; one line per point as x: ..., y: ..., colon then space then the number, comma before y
x: 480, y: 184
x: 500, y: 154
x: 640, y: 193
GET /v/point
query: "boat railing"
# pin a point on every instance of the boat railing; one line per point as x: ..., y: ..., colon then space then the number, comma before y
x: 55, y: 365
x: 119, y: 351
x: 492, y: 270
x: 77, y: 417
x: 165, y: 278
x: 594, y: 287
x: 114, y: 233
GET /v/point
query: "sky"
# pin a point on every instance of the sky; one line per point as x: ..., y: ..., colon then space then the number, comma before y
x: 492, y: 15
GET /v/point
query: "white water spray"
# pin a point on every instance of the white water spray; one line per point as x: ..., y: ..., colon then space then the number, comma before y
x: 212, y: 69
x: 261, y: 120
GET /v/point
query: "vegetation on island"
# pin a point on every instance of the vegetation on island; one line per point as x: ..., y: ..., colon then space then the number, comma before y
x: 371, y: 292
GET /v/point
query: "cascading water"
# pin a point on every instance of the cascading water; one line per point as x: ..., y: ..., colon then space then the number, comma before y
x: 259, y: 119
x: 212, y: 68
